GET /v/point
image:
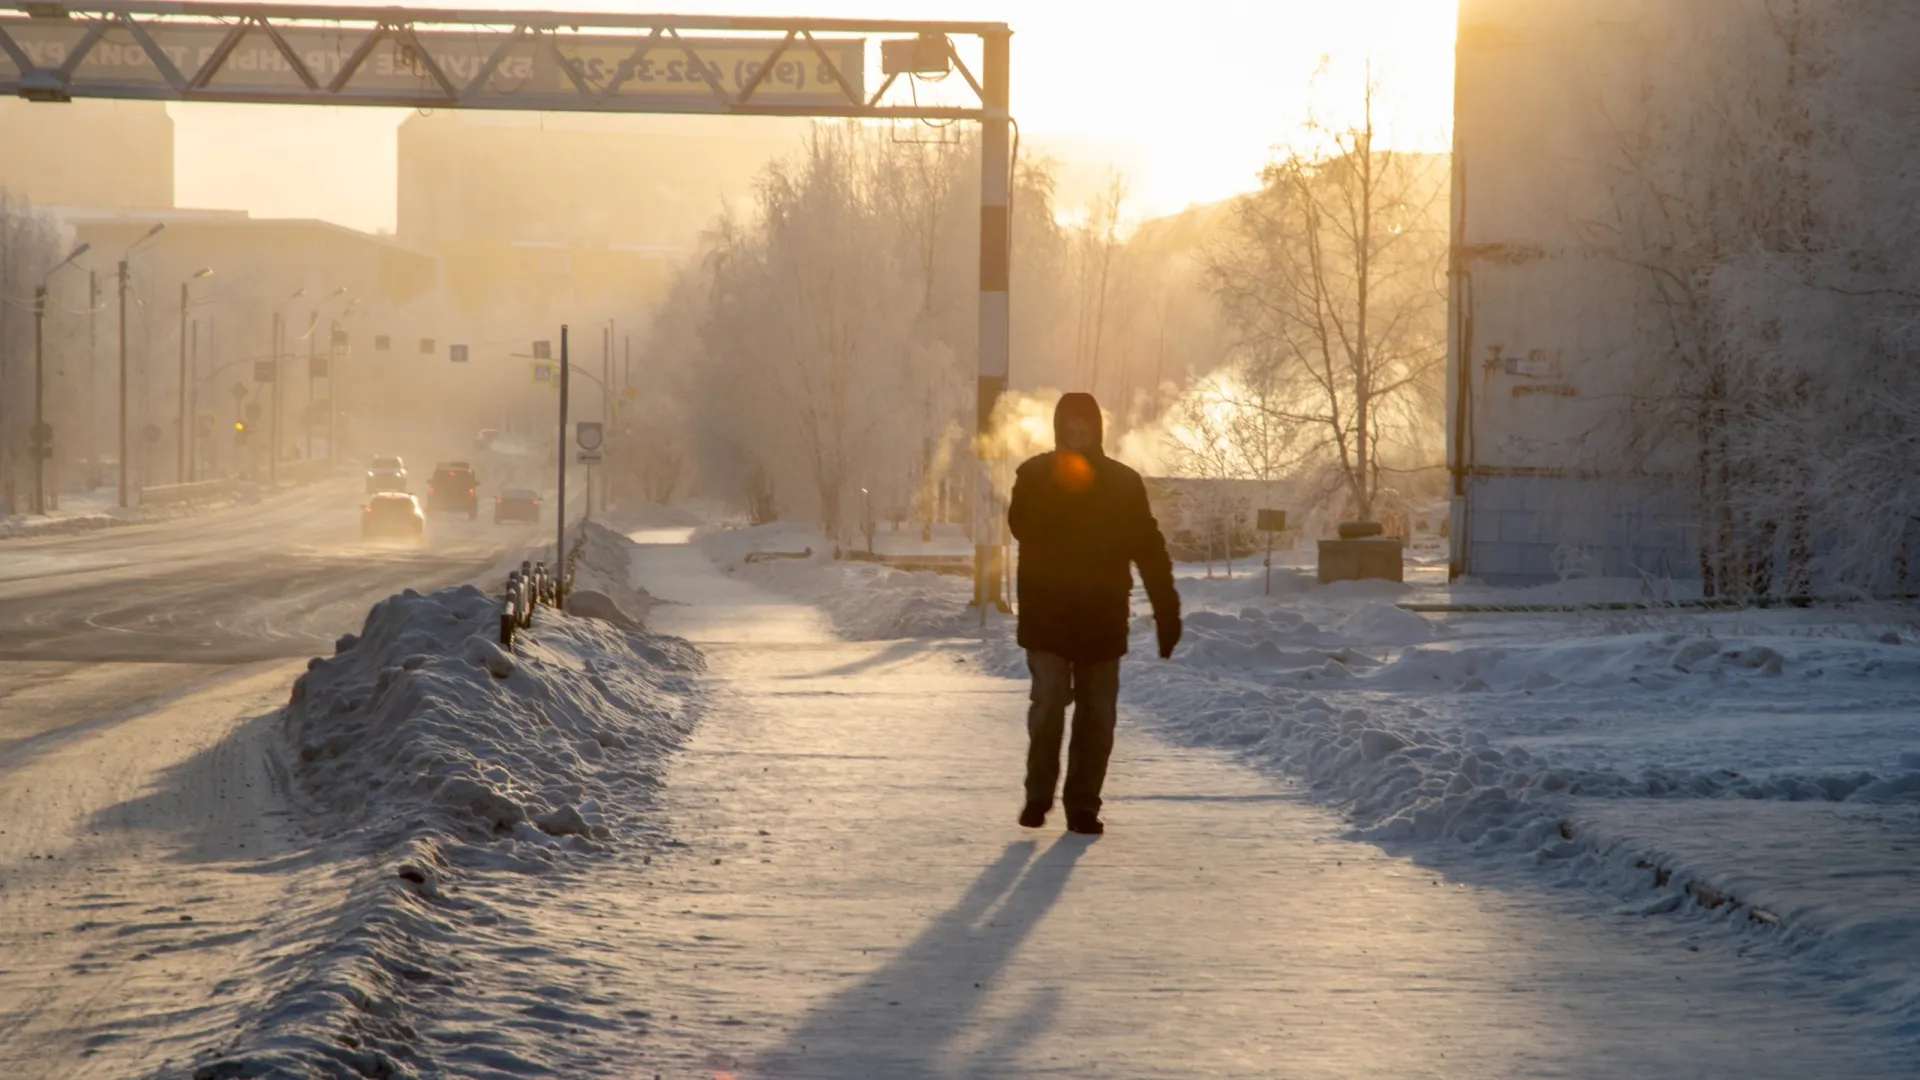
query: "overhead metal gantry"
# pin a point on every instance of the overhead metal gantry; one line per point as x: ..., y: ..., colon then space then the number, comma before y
x: 551, y: 61
x: 427, y: 58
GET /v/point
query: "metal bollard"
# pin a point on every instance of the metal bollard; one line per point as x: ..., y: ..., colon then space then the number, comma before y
x: 509, y: 618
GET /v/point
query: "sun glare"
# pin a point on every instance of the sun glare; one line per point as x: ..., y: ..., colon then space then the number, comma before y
x: 1187, y: 101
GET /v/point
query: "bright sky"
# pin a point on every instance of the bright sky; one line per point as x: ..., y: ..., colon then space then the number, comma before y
x: 1188, y: 98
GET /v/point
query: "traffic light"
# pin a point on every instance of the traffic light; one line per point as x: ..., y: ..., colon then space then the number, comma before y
x: 239, y: 433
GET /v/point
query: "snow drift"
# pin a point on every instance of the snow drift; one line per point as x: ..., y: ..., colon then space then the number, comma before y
x: 457, y: 784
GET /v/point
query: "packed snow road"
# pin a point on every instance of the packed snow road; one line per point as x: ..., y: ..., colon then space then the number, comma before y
x: 140, y: 668
x: 92, y: 624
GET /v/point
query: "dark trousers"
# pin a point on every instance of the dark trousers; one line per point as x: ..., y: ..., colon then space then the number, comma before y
x: 1094, y: 691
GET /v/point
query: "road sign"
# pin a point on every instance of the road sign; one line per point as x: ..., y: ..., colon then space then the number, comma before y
x: 253, y: 412
x: 589, y: 435
x: 457, y: 353
x: 263, y: 370
x: 543, y: 350
x: 340, y: 340
x: 151, y: 432
x: 382, y: 343
x: 426, y: 346
x: 629, y: 394
x: 316, y: 367
x: 238, y: 390
x: 40, y: 434
x: 545, y: 373
x: 1272, y: 521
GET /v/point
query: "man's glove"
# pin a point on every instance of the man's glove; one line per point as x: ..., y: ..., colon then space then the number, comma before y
x: 1169, y: 631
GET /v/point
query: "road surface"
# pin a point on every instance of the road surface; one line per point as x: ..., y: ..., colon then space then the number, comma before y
x: 140, y: 667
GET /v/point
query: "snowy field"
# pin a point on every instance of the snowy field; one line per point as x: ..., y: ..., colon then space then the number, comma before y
x: 1756, y: 772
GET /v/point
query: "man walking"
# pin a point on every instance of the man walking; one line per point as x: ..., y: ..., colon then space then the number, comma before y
x: 1082, y: 522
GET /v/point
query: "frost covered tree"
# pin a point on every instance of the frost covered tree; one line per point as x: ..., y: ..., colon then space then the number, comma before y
x: 1333, y: 281
x: 827, y: 333
x: 1761, y: 194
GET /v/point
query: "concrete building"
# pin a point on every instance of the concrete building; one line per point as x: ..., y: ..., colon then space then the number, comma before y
x: 1541, y: 320
x: 571, y: 217
x: 113, y: 154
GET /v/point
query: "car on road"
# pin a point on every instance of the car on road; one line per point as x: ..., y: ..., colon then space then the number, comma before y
x: 454, y: 487
x: 516, y: 504
x: 393, y: 514
x: 386, y: 474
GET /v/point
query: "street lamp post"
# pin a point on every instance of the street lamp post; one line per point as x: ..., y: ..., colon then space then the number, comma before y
x: 122, y: 470
x: 42, y: 439
x: 279, y: 347
x: 93, y: 379
x: 313, y: 357
x: 333, y: 379
x: 180, y: 465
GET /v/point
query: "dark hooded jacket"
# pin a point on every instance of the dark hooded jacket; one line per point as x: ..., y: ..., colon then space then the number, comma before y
x: 1083, y: 522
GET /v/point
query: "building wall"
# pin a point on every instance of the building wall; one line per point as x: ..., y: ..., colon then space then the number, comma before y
x: 1543, y: 328
x: 116, y: 154
x: 550, y: 218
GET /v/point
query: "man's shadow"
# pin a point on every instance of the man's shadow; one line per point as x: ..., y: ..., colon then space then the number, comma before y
x: 901, y: 1020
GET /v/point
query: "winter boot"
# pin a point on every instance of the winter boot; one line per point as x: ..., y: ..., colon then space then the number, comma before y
x: 1085, y: 824
x: 1033, y: 815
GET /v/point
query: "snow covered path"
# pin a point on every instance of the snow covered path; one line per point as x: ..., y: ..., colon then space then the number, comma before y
x: 853, y: 899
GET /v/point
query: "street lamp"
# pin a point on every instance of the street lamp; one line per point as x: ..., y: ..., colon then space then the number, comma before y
x: 313, y: 354
x: 42, y: 436
x: 180, y: 466
x: 122, y: 273
x: 279, y: 345
x: 333, y: 378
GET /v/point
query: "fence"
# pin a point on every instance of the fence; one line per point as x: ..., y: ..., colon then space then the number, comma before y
x: 534, y: 586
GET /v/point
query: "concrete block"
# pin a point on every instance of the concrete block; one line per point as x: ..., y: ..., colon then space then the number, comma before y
x: 1374, y: 559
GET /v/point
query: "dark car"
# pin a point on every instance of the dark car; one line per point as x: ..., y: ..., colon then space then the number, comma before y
x: 454, y: 487
x: 393, y: 514
x: 386, y: 474
x: 516, y: 504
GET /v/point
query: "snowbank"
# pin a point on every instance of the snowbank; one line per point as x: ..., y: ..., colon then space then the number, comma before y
x: 865, y: 601
x: 606, y: 567
x: 461, y: 782
x: 1578, y: 744
x: 100, y: 510
x: 424, y: 718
